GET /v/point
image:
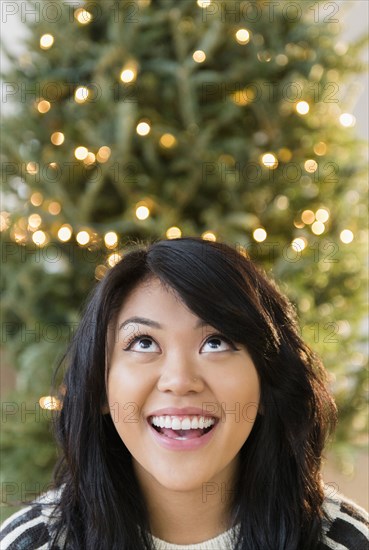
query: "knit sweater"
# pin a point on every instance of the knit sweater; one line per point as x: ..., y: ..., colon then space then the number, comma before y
x: 29, y: 529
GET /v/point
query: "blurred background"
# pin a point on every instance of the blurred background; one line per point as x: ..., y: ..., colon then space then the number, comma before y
x: 236, y: 121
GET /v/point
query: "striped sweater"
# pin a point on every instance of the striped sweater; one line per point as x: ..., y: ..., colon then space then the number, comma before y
x: 28, y: 529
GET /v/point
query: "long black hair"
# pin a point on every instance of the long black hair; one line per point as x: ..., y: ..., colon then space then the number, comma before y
x: 279, y: 492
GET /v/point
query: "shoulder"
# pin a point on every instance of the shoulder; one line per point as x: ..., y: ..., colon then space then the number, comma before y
x: 29, y: 529
x: 348, y: 525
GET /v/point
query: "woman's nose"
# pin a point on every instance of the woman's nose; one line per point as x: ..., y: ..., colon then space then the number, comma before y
x: 179, y: 375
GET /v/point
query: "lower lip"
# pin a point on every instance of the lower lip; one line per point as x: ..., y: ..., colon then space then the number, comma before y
x: 182, y: 444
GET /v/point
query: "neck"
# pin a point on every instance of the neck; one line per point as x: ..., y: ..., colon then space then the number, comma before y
x: 188, y: 517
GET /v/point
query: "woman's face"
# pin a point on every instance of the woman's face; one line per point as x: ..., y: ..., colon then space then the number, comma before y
x: 200, y: 390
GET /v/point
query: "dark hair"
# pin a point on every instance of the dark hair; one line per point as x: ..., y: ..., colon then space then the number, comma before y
x: 279, y: 493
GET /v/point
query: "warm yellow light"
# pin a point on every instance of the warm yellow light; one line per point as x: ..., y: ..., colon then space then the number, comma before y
x: 4, y: 220
x: 39, y: 238
x: 19, y: 235
x: 308, y: 216
x: 270, y: 161
x: 173, y: 233
x: 32, y: 168
x: 143, y: 128
x: 81, y: 153
x: 57, y: 138
x: 103, y: 154
x: 299, y: 244
x: 318, y: 228
x: 83, y: 16
x: 302, y: 107
x: 36, y: 199
x: 199, y: 56
x: 259, y: 234
x: 82, y: 238
x: 168, y: 141
x: 54, y: 208
x: 311, y: 166
x: 322, y: 215
x: 320, y: 148
x: 34, y: 221
x: 100, y: 272
x: 43, y: 106
x: 243, y: 36
x: 347, y: 120
x: 142, y: 212
x: 285, y: 154
x: 114, y: 258
x: 81, y: 94
x: 65, y: 233
x: 128, y: 75
x: 50, y: 403
x: 46, y: 41
x: 90, y: 159
x: 346, y: 236
x: 203, y: 3
x: 53, y: 165
x: 209, y: 236
x: 111, y: 239
x: 240, y: 97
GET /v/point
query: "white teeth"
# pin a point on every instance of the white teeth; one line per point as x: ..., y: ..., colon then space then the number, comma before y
x: 182, y: 423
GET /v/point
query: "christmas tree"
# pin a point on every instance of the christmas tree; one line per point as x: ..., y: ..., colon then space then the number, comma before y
x: 144, y: 119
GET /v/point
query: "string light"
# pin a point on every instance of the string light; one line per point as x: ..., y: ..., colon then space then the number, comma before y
x: 100, y: 272
x: 209, y: 236
x: 50, y: 403
x: 111, y: 239
x: 4, y: 220
x: 203, y: 3
x: 54, y: 208
x: 347, y: 120
x: 199, y: 56
x: 57, y: 138
x: 299, y: 244
x: 320, y: 148
x: 114, y: 258
x: 103, y: 154
x: 259, y: 234
x: 83, y: 238
x: 39, y: 238
x: 311, y: 166
x: 302, y: 107
x: 173, y: 233
x: 168, y: 141
x: 65, y: 233
x: 83, y: 16
x: 36, y: 199
x: 129, y: 72
x: 308, y: 217
x: 46, y: 41
x: 285, y: 154
x: 243, y: 36
x: 142, y: 212
x: 81, y: 153
x: 143, y: 128
x: 32, y: 168
x: 281, y: 60
x: 240, y: 97
x: 282, y: 202
x: 318, y: 228
x: 43, y: 106
x: 81, y: 94
x: 90, y: 158
x: 34, y: 221
x: 322, y: 215
x: 346, y: 236
x: 270, y: 161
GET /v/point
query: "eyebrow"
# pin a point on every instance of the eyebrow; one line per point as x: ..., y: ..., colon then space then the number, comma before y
x: 150, y: 323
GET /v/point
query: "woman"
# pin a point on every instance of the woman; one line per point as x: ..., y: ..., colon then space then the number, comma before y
x: 193, y: 417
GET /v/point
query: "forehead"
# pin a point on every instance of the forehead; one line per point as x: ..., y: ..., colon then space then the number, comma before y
x: 153, y: 297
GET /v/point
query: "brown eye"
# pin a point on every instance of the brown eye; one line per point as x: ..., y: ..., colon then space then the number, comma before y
x: 217, y: 343
x: 143, y: 343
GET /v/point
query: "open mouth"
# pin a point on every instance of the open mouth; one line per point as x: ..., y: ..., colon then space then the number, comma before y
x: 182, y: 428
